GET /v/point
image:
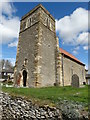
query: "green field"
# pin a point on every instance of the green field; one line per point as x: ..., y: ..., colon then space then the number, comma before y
x: 51, y: 94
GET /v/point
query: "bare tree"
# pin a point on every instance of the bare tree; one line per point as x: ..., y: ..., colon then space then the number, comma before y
x: 8, y: 65
x: 2, y: 64
x: 5, y: 64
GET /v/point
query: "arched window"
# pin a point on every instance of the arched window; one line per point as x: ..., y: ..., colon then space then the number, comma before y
x: 48, y: 22
x: 24, y: 25
x: 29, y: 22
x: 25, y: 61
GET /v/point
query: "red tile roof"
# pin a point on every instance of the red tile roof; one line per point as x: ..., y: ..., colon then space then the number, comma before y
x: 70, y: 56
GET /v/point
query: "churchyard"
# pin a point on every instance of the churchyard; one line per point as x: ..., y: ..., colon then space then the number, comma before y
x: 41, y: 63
x: 51, y: 94
x: 59, y: 103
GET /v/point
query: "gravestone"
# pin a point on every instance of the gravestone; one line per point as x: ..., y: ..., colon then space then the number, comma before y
x: 75, y: 81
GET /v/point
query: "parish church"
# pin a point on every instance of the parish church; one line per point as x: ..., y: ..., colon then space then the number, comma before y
x: 39, y: 61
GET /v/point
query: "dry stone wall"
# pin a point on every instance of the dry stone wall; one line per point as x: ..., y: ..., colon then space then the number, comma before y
x: 17, y: 108
x: 20, y: 109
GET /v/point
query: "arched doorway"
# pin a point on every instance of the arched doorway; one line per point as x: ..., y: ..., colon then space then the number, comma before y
x: 75, y: 81
x: 24, y: 78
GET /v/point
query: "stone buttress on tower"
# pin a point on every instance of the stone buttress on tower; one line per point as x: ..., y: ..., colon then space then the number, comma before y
x: 37, y: 51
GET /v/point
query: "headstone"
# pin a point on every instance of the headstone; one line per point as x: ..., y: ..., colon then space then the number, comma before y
x: 75, y: 81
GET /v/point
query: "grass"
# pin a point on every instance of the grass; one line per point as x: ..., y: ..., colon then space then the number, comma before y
x: 51, y: 94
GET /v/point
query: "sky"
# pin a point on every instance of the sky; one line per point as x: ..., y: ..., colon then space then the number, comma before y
x: 71, y: 27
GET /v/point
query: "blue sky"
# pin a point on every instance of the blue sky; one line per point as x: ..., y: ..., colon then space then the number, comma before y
x: 70, y: 17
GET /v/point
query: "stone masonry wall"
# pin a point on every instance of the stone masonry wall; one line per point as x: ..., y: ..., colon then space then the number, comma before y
x: 28, y: 39
x: 17, y: 108
x: 48, y: 57
x: 37, y: 43
x: 70, y: 67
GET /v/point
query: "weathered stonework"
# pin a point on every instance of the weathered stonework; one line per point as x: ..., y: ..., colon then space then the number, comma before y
x: 37, y: 44
x: 39, y: 55
x: 58, y: 63
x: 68, y: 68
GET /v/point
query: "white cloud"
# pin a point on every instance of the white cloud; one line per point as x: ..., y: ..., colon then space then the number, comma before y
x: 73, y: 29
x: 86, y: 66
x: 75, y: 52
x: 85, y: 47
x: 77, y: 48
x: 13, y: 44
x: 7, y: 8
x: 82, y: 39
x: 9, y: 24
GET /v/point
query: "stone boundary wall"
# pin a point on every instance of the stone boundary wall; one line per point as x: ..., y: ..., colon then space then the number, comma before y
x: 21, y: 109
x: 18, y: 108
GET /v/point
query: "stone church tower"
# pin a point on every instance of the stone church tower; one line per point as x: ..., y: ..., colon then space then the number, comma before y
x: 37, y: 52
